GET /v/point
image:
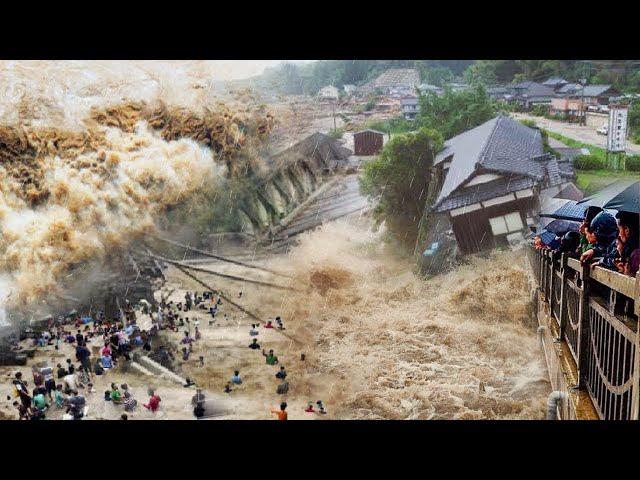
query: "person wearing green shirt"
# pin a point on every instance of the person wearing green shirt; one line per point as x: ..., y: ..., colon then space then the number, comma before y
x: 40, y: 402
x: 270, y: 357
x: 116, y: 396
x: 588, y: 239
x: 59, y: 398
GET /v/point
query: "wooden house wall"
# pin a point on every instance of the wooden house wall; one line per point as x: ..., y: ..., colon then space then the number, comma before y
x: 473, y: 230
x: 367, y: 143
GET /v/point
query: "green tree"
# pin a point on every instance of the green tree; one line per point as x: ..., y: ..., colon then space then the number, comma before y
x: 489, y: 72
x: 634, y: 119
x: 399, y: 178
x: 455, y: 112
x: 437, y: 76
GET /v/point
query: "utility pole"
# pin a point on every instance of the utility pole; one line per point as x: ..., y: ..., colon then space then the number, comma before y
x: 333, y: 104
x: 583, y: 114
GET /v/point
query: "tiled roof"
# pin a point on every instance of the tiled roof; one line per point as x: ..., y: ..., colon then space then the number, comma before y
x: 571, y: 192
x: 501, y: 145
x: 533, y: 89
x: 569, y: 88
x: 552, y: 82
x: 593, y: 90
x: 565, y: 168
x: 553, y: 172
x: 369, y: 130
x: 485, y: 191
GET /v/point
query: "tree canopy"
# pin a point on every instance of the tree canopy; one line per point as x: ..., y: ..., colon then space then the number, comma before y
x: 455, y: 112
x: 399, y: 178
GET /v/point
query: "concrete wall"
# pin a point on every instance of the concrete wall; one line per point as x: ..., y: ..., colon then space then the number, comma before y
x: 597, y: 120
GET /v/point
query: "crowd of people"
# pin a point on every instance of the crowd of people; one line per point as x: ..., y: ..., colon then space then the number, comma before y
x: 196, y: 300
x: 102, y: 345
x: 59, y: 389
x: 604, y: 240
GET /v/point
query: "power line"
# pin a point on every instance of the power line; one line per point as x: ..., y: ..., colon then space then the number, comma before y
x: 218, y: 274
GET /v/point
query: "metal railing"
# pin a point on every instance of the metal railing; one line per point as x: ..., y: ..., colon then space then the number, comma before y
x: 596, y: 312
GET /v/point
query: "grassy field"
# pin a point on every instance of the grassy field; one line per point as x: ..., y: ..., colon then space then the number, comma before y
x: 570, y: 142
x: 591, y: 181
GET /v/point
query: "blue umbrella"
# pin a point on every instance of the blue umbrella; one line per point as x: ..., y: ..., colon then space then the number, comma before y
x: 546, y: 236
x: 560, y: 227
x: 569, y: 211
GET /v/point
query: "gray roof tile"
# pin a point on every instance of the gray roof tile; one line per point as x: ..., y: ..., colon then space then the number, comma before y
x: 501, y: 145
x: 485, y: 191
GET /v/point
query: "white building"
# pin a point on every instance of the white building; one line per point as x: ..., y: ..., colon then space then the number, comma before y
x: 409, y: 107
x: 328, y: 93
x: 350, y: 89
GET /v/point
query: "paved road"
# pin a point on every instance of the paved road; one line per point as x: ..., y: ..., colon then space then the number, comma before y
x: 577, y: 132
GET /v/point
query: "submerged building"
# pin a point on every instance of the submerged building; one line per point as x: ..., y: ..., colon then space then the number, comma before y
x: 489, y: 179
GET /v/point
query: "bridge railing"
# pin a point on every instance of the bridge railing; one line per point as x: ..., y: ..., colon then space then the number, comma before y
x: 596, y: 314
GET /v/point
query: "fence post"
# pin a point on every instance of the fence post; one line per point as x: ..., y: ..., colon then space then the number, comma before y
x: 549, y: 274
x: 635, y: 392
x: 583, y: 331
x: 562, y: 308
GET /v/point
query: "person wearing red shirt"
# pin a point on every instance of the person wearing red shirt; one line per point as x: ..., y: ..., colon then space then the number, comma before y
x: 154, y: 402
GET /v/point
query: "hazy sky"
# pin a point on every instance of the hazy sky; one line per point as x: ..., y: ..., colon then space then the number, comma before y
x: 236, y: 69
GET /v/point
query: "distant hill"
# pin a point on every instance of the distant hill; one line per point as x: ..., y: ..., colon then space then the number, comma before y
x: 291, y: 78
x: 308, y: 78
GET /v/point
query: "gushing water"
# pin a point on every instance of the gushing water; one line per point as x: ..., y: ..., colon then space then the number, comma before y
x: 457, y: 346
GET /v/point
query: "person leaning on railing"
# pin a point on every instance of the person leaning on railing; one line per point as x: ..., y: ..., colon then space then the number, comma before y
x: 628, y: 243
x: 587, y: 238
x: 570, y: 244
x: 605, y: 229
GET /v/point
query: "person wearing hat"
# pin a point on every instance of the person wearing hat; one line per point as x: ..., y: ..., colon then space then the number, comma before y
x: 605, y: 229
x: 585, y: 243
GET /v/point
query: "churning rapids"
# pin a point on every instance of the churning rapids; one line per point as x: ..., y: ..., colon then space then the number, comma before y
x: 389, y: 345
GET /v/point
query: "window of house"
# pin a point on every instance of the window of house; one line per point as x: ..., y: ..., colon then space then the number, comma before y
x: 509, y: 223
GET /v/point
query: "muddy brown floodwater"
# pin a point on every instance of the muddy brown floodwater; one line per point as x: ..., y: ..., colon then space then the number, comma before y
x: 381, y: 343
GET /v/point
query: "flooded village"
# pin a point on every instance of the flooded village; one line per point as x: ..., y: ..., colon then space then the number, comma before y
x: 382, y: 240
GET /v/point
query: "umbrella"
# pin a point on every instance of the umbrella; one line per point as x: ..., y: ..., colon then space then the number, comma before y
x: 546, y: 236
x: 551, y: 204
x: 623, y: 195
x: 559, y: 227
x: 571, y: 210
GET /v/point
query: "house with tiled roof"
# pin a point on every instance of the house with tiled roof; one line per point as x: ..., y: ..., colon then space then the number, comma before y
x: 555, y: 83
x: 573, y: 99
x: 528, y: 94
x: 491, y: 178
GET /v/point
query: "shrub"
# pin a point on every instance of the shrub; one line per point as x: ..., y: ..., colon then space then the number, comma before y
x: 633, y: 163
x: 529, y: 123
x: 540, y: 110
x: 337, y: 133
x: 588, y: 162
